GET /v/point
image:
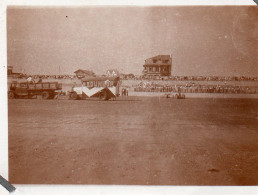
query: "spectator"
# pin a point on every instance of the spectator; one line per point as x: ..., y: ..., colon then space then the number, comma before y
x: 40, y: 80
x: 30, y: 80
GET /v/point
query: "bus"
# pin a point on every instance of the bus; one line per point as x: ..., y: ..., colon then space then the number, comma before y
x: 103, y: 88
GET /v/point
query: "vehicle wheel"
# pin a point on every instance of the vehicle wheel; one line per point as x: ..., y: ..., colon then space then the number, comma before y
x: 73, y: 95
x: 30, y: 95
x: 103, y: 96
x: 45, y: 95
x: 11, y: 95
x: 51, y: 96
x: 176, y: 96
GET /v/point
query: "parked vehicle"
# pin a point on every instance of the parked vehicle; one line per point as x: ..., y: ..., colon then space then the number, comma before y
x: 47, y: 90
x: 176, y: 95
x: 103, y: 88
x: 179, y: 96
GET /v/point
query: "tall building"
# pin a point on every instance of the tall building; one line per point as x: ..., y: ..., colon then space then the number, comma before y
x: 159, y: 65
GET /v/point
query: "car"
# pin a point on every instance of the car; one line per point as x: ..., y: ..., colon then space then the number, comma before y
x: 175, y: 95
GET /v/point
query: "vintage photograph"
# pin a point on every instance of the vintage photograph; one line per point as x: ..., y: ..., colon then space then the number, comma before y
x: 133, y: 95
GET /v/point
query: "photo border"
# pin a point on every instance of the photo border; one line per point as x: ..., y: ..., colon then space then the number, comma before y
x: 95, y: 189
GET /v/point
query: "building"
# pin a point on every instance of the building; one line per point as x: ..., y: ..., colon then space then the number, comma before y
x: 84, y: 73
x: 158, y: 66
x: 127, y: 76
x: 9, y: 70
x: 112, y: 73
x: 10, y: 73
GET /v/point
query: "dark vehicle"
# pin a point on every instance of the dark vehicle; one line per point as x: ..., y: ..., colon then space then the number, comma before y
x: 103, y: 88
x: 47, y: 90
x: 176, y: 95
x: 179, y: 96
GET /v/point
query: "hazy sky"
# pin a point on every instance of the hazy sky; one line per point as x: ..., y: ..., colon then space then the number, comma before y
x: 202, y: 40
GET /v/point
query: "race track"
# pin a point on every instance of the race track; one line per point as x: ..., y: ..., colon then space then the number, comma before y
x: 134, y: 140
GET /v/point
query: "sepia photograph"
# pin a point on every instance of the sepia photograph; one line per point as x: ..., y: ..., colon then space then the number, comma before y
x: 133, y: 95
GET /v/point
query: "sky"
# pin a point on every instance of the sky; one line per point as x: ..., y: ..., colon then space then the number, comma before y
x: 203, y: 40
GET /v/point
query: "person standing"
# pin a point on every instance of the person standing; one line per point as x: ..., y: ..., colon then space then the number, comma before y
x: 122, y: 91
x: 30, y: 80
x: 40, y: 80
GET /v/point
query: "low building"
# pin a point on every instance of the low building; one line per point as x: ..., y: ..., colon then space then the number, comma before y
x: 84, y: 73
x: 127, y: 76
x: 112, y: 73
x: 9, y: 70
x: 10, y: 73
x: 159, y: 65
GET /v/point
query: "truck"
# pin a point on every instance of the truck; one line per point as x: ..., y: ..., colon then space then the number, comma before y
x: 47, y: 90
x: 102, y: 88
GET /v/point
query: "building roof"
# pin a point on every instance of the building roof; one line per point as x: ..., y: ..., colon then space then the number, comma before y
x: 161, y: 57
x: 84, y: 71
x: 157, y: 64
x: 113, y: 70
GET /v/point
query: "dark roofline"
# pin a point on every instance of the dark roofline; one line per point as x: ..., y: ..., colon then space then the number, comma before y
x: 85, y: 71
x: 162, y: 57
x: 156, y: 64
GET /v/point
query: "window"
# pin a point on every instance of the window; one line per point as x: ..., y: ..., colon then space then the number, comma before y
x: 154, y: 61
x: 164, y: 61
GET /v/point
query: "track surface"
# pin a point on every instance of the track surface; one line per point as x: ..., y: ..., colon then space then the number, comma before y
x: 143, y: 141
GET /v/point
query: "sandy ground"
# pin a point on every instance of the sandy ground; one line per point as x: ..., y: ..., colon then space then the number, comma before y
x: 143, y: 141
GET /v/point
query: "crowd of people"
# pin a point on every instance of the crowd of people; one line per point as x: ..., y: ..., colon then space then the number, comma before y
x: 124, y: 92
x: 152, y: 87
x: 149, y: 85
x: 169, y: 78
x: 192, y: 78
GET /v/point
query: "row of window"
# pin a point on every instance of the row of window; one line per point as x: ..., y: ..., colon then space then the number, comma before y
x: 38, y: 85
x: 163, y: 61
x: 155, y: 69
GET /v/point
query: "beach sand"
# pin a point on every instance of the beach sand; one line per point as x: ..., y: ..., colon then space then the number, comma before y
x: 133, y: 140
